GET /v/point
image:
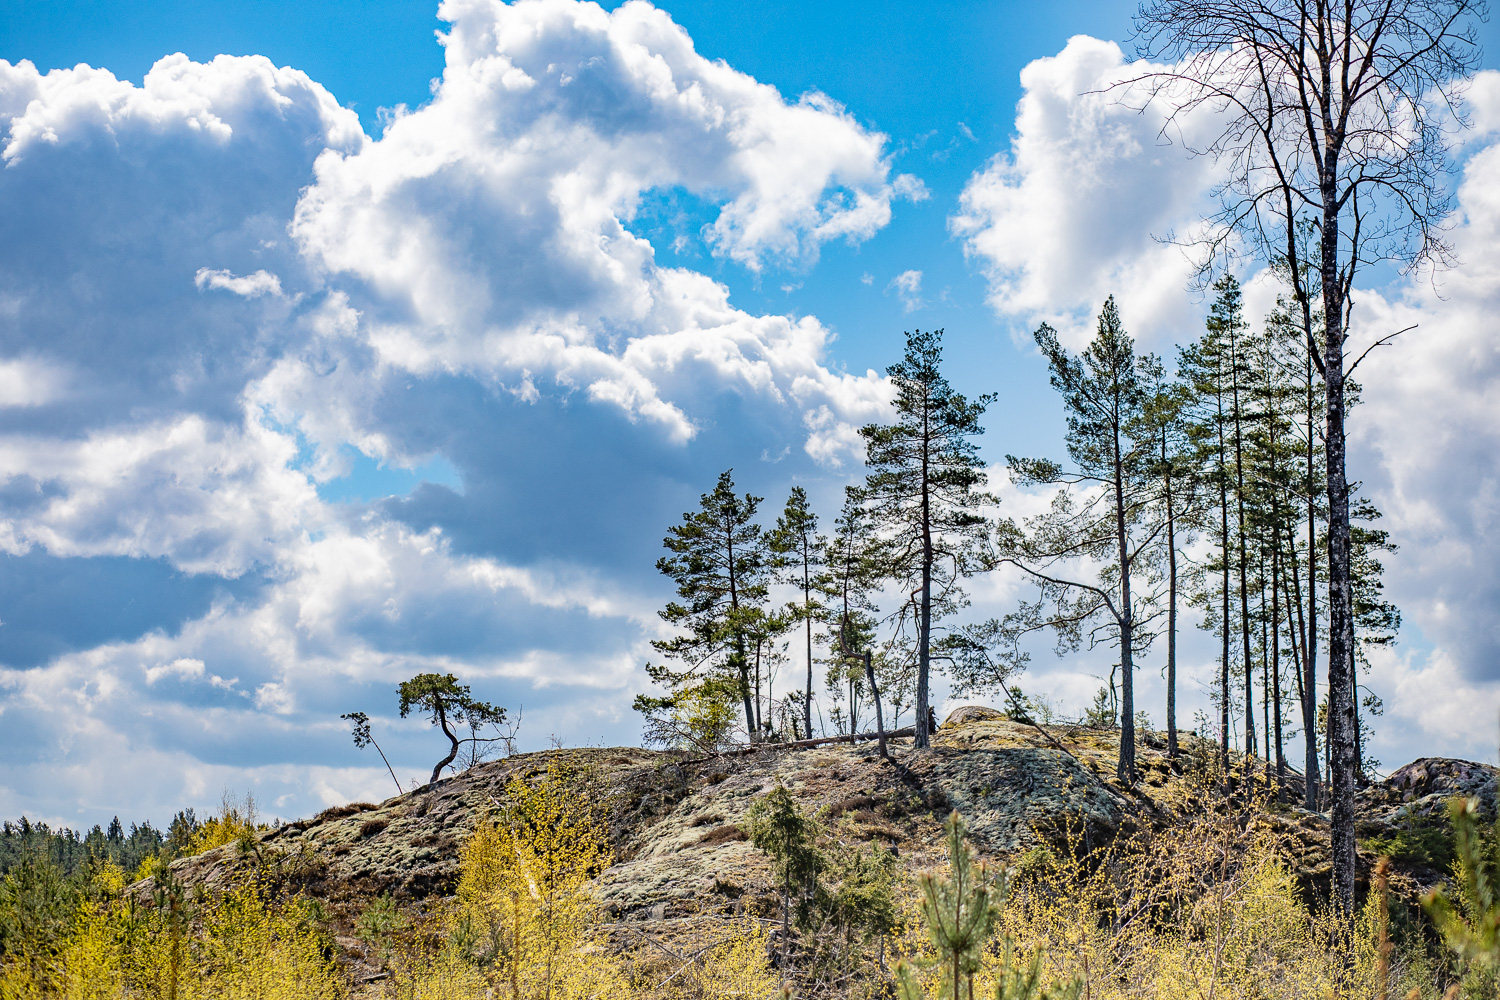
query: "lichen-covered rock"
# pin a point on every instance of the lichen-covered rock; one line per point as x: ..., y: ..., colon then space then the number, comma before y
x: 1423, y: 788
x: 678, y: 826
x: 1008, y: 794
x: 972, y: 713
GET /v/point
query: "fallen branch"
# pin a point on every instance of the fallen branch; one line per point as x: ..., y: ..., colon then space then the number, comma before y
x: 802, y: 744
x: 1045, y: 735
x: 651, y: 941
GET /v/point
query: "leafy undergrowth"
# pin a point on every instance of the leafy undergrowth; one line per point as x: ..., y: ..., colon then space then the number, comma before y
x: 1204, y: 907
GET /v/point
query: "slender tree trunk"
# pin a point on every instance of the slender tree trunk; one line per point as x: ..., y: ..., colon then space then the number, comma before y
x: 807, y: 610
x: 387, y: 764
x: 1125, y: 768
x: 1359, y: 736
x: 759, y: 718
x: 924, y: 627
x: 1341, y: 721
x: 1265, y: 668
x: 741, y: 660
x: 1224, y: 598
x: 1276, y: 657
x: 1313, y: 795
x: 452, y: 753
x: 853, y: 683
x: 1171, y: 620
x: 1239, y: 495
x: 1296, y: 617
x: 1297, y: 633
x: 875, y: 694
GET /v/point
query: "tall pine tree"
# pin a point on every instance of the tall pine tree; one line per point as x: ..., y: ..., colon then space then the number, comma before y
x: 1206, y: 367
x: 717, y: 557
x: 1175, y: 469
x: 1106, y: 511
x: 798, y: 550
x: 924, y: 491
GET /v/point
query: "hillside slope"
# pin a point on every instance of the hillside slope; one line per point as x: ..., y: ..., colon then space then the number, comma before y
x: 681, y: 856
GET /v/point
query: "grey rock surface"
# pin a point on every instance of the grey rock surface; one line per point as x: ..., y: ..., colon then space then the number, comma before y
x: 677, y: 826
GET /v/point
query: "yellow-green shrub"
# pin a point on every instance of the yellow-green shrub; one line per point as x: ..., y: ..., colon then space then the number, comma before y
x: 241, y: 945
x: 523, y: 914
x: 237, y: 822
x: 737, y: 968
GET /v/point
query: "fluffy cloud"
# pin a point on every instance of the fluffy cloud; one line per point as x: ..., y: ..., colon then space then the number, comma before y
x: 1428, y: 433
x: 489, y: 231
x: 118, y: 196
x: 249, y: 285
x: 218, y: 296
x: 908, y: 288
x: 1077, y: 208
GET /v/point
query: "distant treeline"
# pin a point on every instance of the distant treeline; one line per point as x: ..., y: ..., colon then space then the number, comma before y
x: 71, y: 850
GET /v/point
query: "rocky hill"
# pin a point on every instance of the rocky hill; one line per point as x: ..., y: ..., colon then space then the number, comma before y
x: 681, y: 855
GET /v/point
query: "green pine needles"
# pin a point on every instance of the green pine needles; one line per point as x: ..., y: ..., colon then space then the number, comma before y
x: 961, y: 914
x: 1472, y: 927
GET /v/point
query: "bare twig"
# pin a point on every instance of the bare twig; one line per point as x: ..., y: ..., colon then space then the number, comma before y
x: 1379, y: 343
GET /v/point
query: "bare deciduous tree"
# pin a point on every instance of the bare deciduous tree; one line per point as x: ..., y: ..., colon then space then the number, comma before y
x: 1338, y: 114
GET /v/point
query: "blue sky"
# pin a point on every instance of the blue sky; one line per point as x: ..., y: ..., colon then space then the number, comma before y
x: 319, y: 376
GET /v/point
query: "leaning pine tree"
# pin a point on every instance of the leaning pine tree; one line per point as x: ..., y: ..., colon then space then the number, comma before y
x: 923, y: 492
x: 446, y: 703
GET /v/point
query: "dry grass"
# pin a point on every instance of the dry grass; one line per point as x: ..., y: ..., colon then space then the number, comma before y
x: 1205, y: 908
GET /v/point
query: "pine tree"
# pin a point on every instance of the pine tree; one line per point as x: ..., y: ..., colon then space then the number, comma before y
x: 788, y: 836
x: 1272, y: 456
x: 855, y: 568
x: 1289, y: 331
x: 924, y: 490
x: 961, y: 913
x: 1226, y: 321
x: 799, y: 555
x: 1175, y: 469
x: 447, y: 703
x: 1472, y: 928
x: 717, y: 557
x: 1106, y: 510
x: 1205, y: 366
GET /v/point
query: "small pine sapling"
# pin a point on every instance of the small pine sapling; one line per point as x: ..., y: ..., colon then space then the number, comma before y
x: 788, y: 837
x: 961, y: 914
x: 1472, y: 927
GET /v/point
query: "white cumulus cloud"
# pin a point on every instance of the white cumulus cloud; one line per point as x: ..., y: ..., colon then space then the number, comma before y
x: 1078, y: 208
x: 1083, y: 204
